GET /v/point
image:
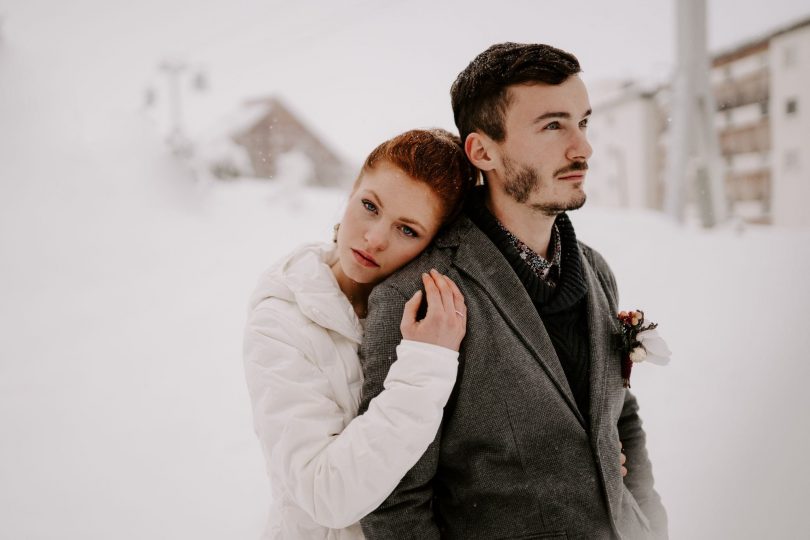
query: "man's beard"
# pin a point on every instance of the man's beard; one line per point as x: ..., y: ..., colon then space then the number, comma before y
x: 521, y: 181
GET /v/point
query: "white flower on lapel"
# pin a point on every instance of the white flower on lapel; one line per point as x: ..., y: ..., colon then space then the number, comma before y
x: 655, y: 349
x: 638, y: 354
x: 639, y: 342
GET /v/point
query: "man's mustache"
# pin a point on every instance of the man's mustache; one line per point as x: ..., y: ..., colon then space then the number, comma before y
x: 575, y: 166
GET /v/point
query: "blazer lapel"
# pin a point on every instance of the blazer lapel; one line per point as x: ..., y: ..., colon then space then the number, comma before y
x: 601, y: 329
x: 479, y: 259
x: 600, y: 332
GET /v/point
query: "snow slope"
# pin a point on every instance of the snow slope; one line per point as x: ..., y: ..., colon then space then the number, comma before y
x: 123, y: 406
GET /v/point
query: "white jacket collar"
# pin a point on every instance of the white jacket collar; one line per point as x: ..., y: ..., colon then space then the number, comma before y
x: 305, y: 277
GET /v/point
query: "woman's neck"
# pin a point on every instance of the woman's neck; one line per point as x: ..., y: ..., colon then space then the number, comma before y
x: 357, y: 293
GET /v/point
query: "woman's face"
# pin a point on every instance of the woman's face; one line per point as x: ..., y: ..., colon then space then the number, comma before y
x: 389, y: 220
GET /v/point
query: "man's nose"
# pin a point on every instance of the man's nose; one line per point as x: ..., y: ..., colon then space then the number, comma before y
x: 580, y: 149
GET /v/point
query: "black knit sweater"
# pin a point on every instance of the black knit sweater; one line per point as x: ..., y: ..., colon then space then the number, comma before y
x: 563, y: 308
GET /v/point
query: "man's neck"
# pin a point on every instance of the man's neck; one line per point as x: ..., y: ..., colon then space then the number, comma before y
x: 530, y: 226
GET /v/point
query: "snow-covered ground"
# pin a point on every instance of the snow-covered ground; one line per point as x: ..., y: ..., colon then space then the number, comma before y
x: 729, y: 419
x: 123, y: 287
x: 122, y: 403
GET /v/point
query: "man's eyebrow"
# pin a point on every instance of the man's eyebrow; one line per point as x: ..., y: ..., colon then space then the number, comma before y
x: 546, y: 116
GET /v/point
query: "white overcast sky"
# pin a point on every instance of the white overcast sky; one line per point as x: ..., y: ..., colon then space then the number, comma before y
x: 358, y: 71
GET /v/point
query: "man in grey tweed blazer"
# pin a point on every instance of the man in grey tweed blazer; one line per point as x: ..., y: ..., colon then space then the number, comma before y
x: 530, y: 442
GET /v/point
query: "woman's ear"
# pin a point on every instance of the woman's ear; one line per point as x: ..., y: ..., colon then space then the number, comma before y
x: 481, y: 151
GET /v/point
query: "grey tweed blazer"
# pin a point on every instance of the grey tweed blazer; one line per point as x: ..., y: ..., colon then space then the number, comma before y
x: 514, y: 457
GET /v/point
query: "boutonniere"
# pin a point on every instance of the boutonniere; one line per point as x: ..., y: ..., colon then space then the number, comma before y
x: 640, y: 342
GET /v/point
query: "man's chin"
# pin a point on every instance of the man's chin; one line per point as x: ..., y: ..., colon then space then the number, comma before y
x: 578, y: 202
x: 554, y: 209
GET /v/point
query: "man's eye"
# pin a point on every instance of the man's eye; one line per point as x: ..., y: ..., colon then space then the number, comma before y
x: 584, y: 123
x: 368, y: 205
x: 553, y: 125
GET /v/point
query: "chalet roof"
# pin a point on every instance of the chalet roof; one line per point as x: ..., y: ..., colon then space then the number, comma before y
x: 273, y: 105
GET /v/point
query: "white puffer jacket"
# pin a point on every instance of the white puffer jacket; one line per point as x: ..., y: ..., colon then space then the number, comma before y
x: 327, y: 467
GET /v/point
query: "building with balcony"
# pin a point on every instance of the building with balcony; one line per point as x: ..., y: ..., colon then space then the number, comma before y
x: 762, y: 97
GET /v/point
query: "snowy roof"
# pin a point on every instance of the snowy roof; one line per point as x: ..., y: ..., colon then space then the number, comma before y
x: 751, y: 45
x: 240, y: 119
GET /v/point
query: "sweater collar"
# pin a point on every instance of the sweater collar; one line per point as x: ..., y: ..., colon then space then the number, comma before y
x: 571, y: 287
x: 547, y: 269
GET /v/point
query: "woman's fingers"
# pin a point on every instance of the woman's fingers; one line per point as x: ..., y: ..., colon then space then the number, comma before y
x: 452, y: 299
x: 445, y: 322
x: 411, y: 309
x: 458, y: 298
x: 622, y: 460
x: 432, y: 293
x: 445, y: 292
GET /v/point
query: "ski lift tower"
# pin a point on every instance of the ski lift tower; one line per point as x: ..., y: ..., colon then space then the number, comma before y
x: 693, y: 158
x: 178, y: 141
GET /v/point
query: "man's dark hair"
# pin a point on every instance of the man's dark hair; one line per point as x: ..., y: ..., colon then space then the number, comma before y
x: 480, y: 94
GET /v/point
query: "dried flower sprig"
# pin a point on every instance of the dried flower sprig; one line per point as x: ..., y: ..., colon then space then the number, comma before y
x: 640, y: 342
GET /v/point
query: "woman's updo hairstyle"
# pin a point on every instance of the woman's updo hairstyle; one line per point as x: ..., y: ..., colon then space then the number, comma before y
x: 435, y: 157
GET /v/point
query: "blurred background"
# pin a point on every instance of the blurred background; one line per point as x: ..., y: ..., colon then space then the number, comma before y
x: 155, y: 156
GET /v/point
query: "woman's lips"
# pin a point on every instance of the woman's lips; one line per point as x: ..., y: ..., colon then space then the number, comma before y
x: 365, y: 259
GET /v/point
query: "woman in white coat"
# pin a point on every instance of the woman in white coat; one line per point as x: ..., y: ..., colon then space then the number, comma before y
x: 329, y: 467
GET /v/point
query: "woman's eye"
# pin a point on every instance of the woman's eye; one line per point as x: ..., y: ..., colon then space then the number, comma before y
x: 368, y: 205
x: 407, y: 231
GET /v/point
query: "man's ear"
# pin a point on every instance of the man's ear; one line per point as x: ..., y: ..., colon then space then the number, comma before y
x: 481, y: 151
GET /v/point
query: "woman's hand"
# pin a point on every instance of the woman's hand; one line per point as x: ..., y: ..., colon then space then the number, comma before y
x: 622, y: 460
x: 446, y: 320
